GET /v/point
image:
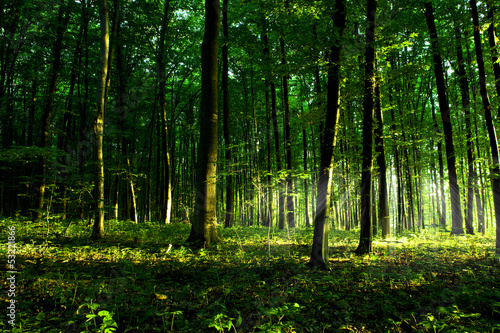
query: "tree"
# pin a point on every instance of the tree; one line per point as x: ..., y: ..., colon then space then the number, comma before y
x: 62, y: 22
x: 166, y: 169
x: 98, y: 231
x: 456, y: 211
x: 306, y: 185
x: 228, y: 221
x: 287, y: 139
x: 383, y: 199
x: 366, y: 233
x: 492, y: 42
x: 319, y: 251
x: 204, y: 220
x: 495, y: 170
x: 464, y: 91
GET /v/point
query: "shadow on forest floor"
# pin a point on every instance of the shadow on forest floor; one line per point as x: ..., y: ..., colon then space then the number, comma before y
x: 133, y: 280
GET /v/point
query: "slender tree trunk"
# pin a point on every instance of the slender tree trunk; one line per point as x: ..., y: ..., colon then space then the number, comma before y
x: 306, y: 185
x: 62, y: 22
x: 442, y: 215
x: 320, y: 252
x: 383, y: 199
x: 203, y: 228
x: 166, y: 172
x: 130, y: 180
x: 228, y: 221
x: 399, y: 190
x: 269, y: 209
x: 495, y: 170
x: 493, y: 49
x: 464, y: 90
x: 98, y: 231
x: 456, y: 211
x: 365, y: 240
x: 288, y: 140
x: 281, y: 195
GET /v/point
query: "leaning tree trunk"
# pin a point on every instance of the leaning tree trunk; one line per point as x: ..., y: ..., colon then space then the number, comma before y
x: 319, y: 251
x: 495, y: 170
x: 366, y: 233
x: 456, y: 211
x: 203, y: 228
x: 98, y: 231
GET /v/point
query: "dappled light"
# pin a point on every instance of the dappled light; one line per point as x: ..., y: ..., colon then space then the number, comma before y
x: 249, y: 166
x: 409, y: 282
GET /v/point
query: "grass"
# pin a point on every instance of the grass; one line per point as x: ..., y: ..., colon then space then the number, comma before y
x: 134, y: 281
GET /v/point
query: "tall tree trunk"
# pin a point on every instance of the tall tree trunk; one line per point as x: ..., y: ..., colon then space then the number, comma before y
x: 281, y: 195
x: 365, y: 239
x: 269, y: 210
x: 493, y: 49
x: 98, y: 230
x: 62, y: 22
x: 228, y: 221
x: 306, y: 183
x: 166, y: 172
x: 495, y: 170
x: 442, y: 215
x: 319, y: 251
x: 456, y: 211
x: 464, y: 90
x: 203, y: 228
x: 399, y: 190
x: 383, y: 198
x: 288, y: 140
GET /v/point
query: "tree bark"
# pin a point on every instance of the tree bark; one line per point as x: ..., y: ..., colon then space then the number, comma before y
x: 288, y: 140
x: 166, y: 172
x: 365, y: 240
x: 228, y: 221
x: 464, y: 90
x: 456, y: 211
x: 203, y: 228
x: 319, y: 251
x: 383, y: 199
x: 495, y: 170
x: 281, y: 195
x: 62, y: 22
x: 269, y: 209
x: 306, y: 183
x: 493, y: 50
x: 98, y: 229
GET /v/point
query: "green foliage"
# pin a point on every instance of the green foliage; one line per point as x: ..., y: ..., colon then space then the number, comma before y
x: 134, y: 281
x: 101, y: 322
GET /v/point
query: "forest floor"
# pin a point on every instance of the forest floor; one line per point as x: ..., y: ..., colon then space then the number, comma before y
x: 134, y: 281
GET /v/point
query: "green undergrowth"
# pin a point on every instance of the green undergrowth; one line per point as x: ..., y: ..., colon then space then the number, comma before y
x: 142, y: 278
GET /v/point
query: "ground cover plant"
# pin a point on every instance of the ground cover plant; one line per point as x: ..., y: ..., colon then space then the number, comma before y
x: 142, y: 278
